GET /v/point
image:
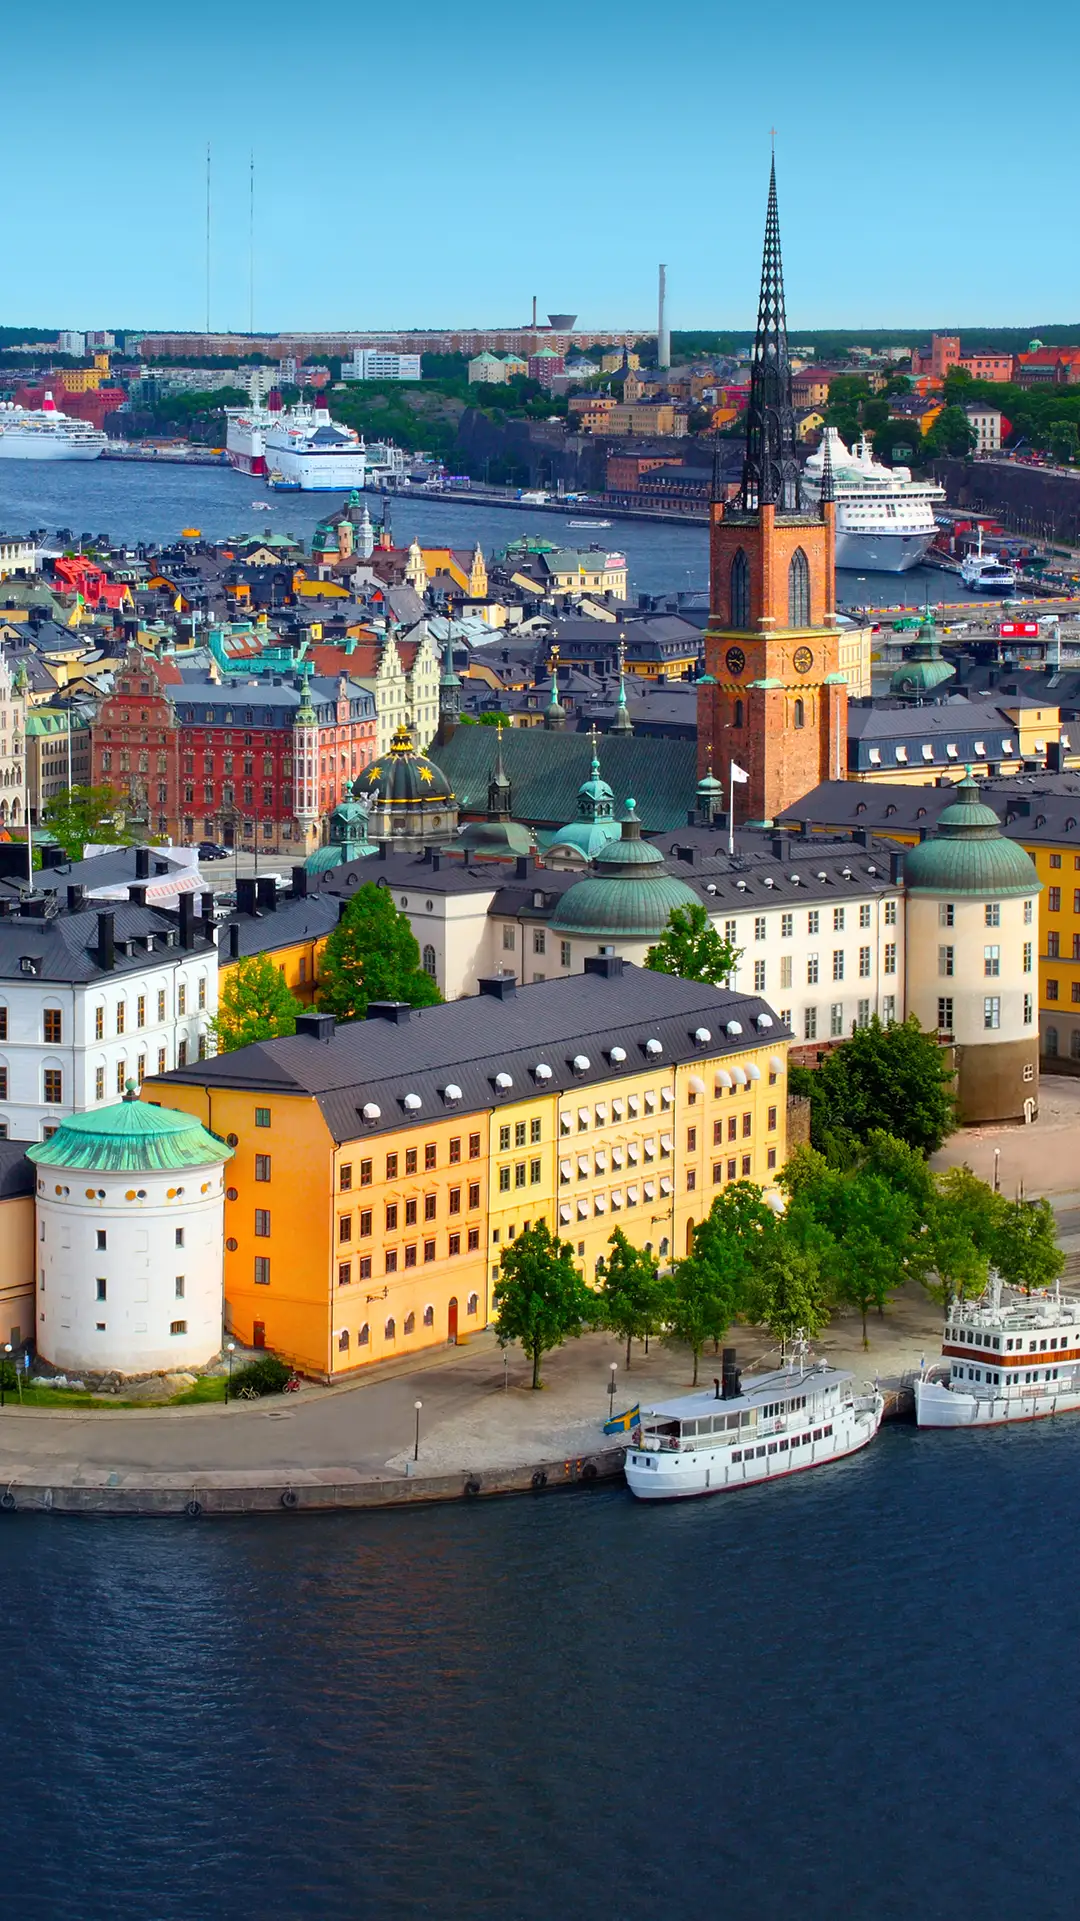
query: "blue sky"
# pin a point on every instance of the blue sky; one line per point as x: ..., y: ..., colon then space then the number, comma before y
x: 437, y: 165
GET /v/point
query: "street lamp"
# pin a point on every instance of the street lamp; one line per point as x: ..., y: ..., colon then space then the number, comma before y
x: 611, y: 1388
x: 230, y: 1348
x: 506, y: 1364
x: 3, y: 1371
x: 416, y: 1450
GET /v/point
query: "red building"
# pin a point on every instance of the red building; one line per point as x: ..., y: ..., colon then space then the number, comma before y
x: 220, y: 760
x: 95, y: 405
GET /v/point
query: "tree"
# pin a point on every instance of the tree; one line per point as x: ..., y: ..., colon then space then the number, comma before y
x: 691, y: 1311
x: 87, y: 814
x: 629, y: 1296
x: 1063, y: 438
x: 898, y: 441
x: 372, y: 956
x: 961, y: 1225
x: 691, y: 947
x: 540, y: 1298
x: 254, y: 1005
x: 894, y: 1070
x: 871, y: 1239
x: 952, y: 433
x: 788, y: 1293
x: 1024, y: 1248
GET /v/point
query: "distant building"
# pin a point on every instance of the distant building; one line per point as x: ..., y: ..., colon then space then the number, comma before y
x: 545, y: 366
x: 646, y: 417
x: 488, y: 370
x: 986, y: 421
x: 72, y: 343
x: 18, y: 555
x: 1048, y: 367
x: 372, y: 363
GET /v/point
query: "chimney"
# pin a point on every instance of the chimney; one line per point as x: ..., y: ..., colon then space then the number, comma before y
x: 234, y: 940
x: 523, y: 867
x: 266, y: 890
x: 187, y: 921
x: 436, y: 860
x: 732, y: 1385
x: 778, y: 844
x: 76, y: 898
x: 501, y: 987
x: 299, y: 882
x: 106, y: 941
x: 137, y: 895
x: 317, y: 1027
x: 609, y: 966
x: 861, y: 836
x: 142, y: 863
x: 396, y: 1011
x: 896, y: 867
x: 1055, y: 760
x: 246, y: 901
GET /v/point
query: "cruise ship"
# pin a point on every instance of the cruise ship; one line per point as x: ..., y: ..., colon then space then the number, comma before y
x: 884, y: 519
x: 295, y: 447
x: 739, y: 1433
x: 1006, y: 1357
x: 44, y: 433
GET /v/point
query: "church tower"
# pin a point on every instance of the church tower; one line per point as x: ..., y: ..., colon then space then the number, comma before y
x: 773, y: 699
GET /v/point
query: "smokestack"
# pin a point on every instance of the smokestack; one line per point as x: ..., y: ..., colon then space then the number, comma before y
x: 663, y: 338
x: 534, y: 313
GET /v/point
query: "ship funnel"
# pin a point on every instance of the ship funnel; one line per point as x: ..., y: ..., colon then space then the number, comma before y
x: 732, y: 1384
x: 48, y: 405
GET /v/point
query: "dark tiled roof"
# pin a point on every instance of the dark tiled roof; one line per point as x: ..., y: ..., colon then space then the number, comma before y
x: 466, y: 1043
x: 546, y: 770
x: 65, y: 947
x: 16, y: 1172
x: 291, y: 920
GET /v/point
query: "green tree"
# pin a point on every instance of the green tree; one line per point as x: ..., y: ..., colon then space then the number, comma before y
x: 1062, y: 435
x: 961, y: 1224
x: 540, y: 1298
x: 952, y: 433
x: 1024, y: 1247
x: 872, y: 1236
x: 86, y: 814
x: 892, y: 1070
x: 898, y: 442
x: 254, y: 1005
x: 372, y: 955
x: 788, y: 1293
x: 691, y: 947
x: 692, y: 1311
x: 629, y: 1295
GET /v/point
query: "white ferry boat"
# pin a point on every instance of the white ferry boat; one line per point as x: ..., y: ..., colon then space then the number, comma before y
x: 44, y: 433
x: 884, y: 518
x: 987, y: 573
x: 311, y: 451
x: 738, y: 1433
x: 1006, y: 1357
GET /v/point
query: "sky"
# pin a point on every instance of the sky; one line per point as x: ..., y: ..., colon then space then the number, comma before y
x: 439, y: 165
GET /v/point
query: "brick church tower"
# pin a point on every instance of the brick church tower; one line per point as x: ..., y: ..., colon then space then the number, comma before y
x: 772, y: 699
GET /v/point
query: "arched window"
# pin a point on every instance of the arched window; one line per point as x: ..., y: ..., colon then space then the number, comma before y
x: 800, y: 714
x: 740, y: 591
x: 1052, y: 1043
x: 738, y: 720
x: 1074, y: 1044
x: 410, y: 1323
x: 429, y: 1316
x: 472, y: 1304
x: 798, y: 590
x: 429, y: 961
x: 390, y: 1330
x: 364, y: 1336
x: 343, y: 1341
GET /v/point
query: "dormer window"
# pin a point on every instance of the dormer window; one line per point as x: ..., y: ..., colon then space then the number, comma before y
x: 28, y: 965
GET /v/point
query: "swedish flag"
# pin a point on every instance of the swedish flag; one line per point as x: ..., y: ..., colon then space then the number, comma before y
x: 622, y: 1423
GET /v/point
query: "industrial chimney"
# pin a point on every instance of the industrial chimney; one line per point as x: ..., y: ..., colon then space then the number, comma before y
x: 663, y: 338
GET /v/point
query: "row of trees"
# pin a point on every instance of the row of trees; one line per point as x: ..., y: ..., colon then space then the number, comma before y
x: 847, y: 1237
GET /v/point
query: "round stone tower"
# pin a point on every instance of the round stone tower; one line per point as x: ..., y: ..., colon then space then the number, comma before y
x: 130, y: 1234
x: 972, y: 955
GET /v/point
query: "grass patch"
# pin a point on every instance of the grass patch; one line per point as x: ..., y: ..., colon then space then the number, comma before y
x: 210, y: 1387
x: 60, y: 1397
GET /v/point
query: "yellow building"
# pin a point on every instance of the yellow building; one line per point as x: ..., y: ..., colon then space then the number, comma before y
x: 645, y: 417
x: 82, y: 380
x: 16, y: 1245
x: 291, y: 929
x: 380, y: 1170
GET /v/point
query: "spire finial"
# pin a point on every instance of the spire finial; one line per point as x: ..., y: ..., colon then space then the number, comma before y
x: 828, y: 482
x: 771, y: 468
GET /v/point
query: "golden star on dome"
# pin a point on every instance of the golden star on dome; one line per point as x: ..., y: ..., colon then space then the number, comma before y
x: 374, y: 773
x: 426, y: 773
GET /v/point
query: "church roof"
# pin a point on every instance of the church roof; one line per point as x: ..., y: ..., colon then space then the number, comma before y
x: 548, y: 769
x: 404, y: 776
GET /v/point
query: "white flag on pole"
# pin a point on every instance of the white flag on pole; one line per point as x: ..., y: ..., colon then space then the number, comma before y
x: 738, y: 773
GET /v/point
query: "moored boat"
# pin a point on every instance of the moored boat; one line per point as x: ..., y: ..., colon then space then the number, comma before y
x: 740, y: 1433
x: 1005, y: 1357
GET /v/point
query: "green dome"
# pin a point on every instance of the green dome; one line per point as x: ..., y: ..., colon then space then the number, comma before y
x: 586, y: 837
x: 922, y: 671
x: 404, y: 776
x: 969, y: 854
x: 630, y: 893
x: 131, y: 1137
x: 500, y: 839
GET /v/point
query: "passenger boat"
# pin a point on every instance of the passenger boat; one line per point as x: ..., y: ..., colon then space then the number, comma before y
x: 1005, y: 1357
x: 884, y: 518
x: 739, y: 1433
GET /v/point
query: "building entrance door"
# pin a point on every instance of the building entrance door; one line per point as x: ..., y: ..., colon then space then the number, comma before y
x: 258, y: 1334
x: 451, y: 1329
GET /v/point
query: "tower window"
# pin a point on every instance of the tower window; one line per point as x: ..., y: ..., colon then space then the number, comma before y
x: 800, y: 714
x: 738, y: 720
x: 740, y: 591
x: 799, y: 590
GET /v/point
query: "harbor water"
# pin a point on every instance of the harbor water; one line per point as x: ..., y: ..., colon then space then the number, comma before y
x: 845, y: 1695
x: 137, y: 500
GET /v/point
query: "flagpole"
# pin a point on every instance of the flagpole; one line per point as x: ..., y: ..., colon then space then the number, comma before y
x: 731, y: 808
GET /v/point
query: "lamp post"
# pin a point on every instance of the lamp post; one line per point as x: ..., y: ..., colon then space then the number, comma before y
x: 506, y: 1364
x: 230, y: 1349
x: 416, y: 1450
x: 3, y: 1371
x: 611, y: 1388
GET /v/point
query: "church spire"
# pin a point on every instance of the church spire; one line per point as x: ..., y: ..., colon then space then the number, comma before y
x: 828, y: 481
x: 771, y: 468
x: 622, y: 723
x: 499, y: 794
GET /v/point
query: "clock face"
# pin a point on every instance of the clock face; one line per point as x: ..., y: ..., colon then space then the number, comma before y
x: 802, y: 660
x: 736, y: 660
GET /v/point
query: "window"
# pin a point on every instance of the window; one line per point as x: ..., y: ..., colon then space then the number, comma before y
x: 945, y: 1014
x: 519, y: 1133
x: 262, y: 1168
x: 508, y: 940
x: 813, y: 921
x: 54, y: 1027
x: 1053, y: 946
x: 811, y: 970
x: 411, y: 1154
x: 262, y: 1270
x: 474, y: 1239
x: 262, y: 1224
x: 810, y: 1023
x: 429, y: 1250
x: 1053, y: 900
x: 991, y: 961
x: 945, y: 961
x: 759, y: 977
x: 391, y: 1260
x: 785, y: 970
x: 54, y: 1086
x: 455, y: 1151
x: 365, y: 1173
x: 799, y: 714
x: 474, y: 1193
x: 787, y: 926
x: 864, y: 914
x: 1029, y: 1010
x: 539, y: 941
x: 1052, y: 1042
x: 992, y: 913
x: 344, y: 1174
x: 181, y: 1007
x: 474, y: 1147
x: 760, y: 927
x: 99, y: 1023
x: 102, y: 1290
x: 747, y: 1125
x: 732, y: 1127
x: 564, y: 953
x: 535, y: 1170
x: 262, y: 1117
x: 838, y: 920
x: 453, y: 1247
x: 160, y: 1005
x: 178, y: 1327
x: 99, y: 1084
x: 161, y: 1060
x: 454, y: 1201
x: 992, y: 1011
x: 946, y: 913
x: 179, y: 1287
x: 430, y: 1154
x: 504, y: 1139
x: 739, y: 591
x: 890, y: 957
x: 1055, y: 860
x: 799, y: 590
x: 429, y: 961
x: 535, y: 1128
x: 391, y: 1167
x: 344, y: 1273
x: 836, y: 1019
x: 430, y: 1201
x: 504, y: 1180
x: 179, y: 1237
x: 1052, y: 990
x: 410, y: 1255
x: 1027, y: 957
x: 838, y: 964
x: 691, y: 1180
x: 1028, y: 913
x: 391, y: 1217
x: 410, y: 1213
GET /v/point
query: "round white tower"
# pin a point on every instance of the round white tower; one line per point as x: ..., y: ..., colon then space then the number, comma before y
x: 130, y: 1230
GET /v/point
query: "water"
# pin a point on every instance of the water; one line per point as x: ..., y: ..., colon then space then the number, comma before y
x: 850, y: 1695
x: 140, y: 501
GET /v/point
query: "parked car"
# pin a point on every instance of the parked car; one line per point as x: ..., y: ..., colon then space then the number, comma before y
x: 211, y: 850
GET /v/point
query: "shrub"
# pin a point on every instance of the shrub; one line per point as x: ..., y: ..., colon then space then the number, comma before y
x: 267, y: 1376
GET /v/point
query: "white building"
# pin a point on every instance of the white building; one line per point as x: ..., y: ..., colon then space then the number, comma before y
x: 130, y: 1208
x: 90, y: 999
x: 18, y: 555
x: 986, y: 421
x: 374, y: 363
x: 72, y: 343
